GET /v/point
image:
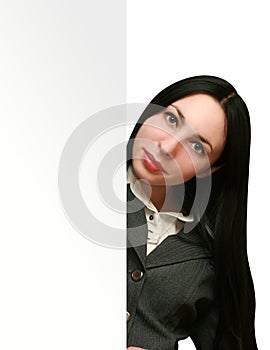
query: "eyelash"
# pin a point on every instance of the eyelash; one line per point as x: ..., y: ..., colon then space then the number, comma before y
x: 201, y: 151
x: 168, y: 115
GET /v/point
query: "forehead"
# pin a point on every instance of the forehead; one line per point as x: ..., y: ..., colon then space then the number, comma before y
x: 205, y: 115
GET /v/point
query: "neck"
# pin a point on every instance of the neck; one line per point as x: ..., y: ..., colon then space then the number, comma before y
x: 160, y: 196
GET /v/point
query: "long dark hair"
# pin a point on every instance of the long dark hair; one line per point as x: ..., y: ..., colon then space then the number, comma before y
x: 226, y: 213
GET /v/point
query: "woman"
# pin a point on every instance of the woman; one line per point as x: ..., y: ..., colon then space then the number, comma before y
x: 188, y: 271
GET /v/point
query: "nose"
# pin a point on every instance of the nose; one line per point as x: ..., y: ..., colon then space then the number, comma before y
x: 168, y: 147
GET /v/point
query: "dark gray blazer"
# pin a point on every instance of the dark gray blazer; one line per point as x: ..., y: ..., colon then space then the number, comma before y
x: 170, y: 292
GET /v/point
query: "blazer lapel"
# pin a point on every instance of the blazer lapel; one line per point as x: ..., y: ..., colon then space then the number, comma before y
x: 136, y: 225
x: 178, y: 248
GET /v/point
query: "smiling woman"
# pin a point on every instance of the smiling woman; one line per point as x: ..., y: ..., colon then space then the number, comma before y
x: 193, y: 137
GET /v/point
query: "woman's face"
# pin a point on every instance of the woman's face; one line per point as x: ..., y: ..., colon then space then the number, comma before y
x: 180, y: 142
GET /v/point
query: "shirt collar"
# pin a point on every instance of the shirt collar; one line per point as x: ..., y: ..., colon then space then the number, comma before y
x: 141, y: 195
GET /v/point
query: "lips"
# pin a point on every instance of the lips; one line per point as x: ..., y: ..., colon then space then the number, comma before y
x: 151, y: 163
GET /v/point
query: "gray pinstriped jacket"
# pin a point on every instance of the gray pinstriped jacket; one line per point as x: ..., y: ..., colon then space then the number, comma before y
x: 171, y: 294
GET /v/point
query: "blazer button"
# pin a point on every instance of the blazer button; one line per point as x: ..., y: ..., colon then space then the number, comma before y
x: 137, y: 275
x: 128, y: 316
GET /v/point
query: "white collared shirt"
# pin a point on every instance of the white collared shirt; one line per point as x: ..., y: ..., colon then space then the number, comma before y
x: 160, y: 224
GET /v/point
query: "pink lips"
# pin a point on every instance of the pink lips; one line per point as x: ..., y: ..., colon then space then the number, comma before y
x: 151, y: 163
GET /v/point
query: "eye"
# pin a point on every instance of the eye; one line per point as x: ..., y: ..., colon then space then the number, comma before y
x: 171, y: 118
x: 198, y: 147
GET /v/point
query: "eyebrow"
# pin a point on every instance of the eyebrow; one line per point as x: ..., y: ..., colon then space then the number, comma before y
x: 203, y: 139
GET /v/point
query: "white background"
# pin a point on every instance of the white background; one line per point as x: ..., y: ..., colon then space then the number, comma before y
x: 58, y: 67
x: 62, y: 61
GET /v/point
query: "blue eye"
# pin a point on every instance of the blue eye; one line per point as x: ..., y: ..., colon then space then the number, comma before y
x: 198, y: 147
x: 171, y: 118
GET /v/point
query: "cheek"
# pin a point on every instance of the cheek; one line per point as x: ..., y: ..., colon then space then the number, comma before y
x: 189, y: 165
x: 184, y: 165
x: 151, y: 133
